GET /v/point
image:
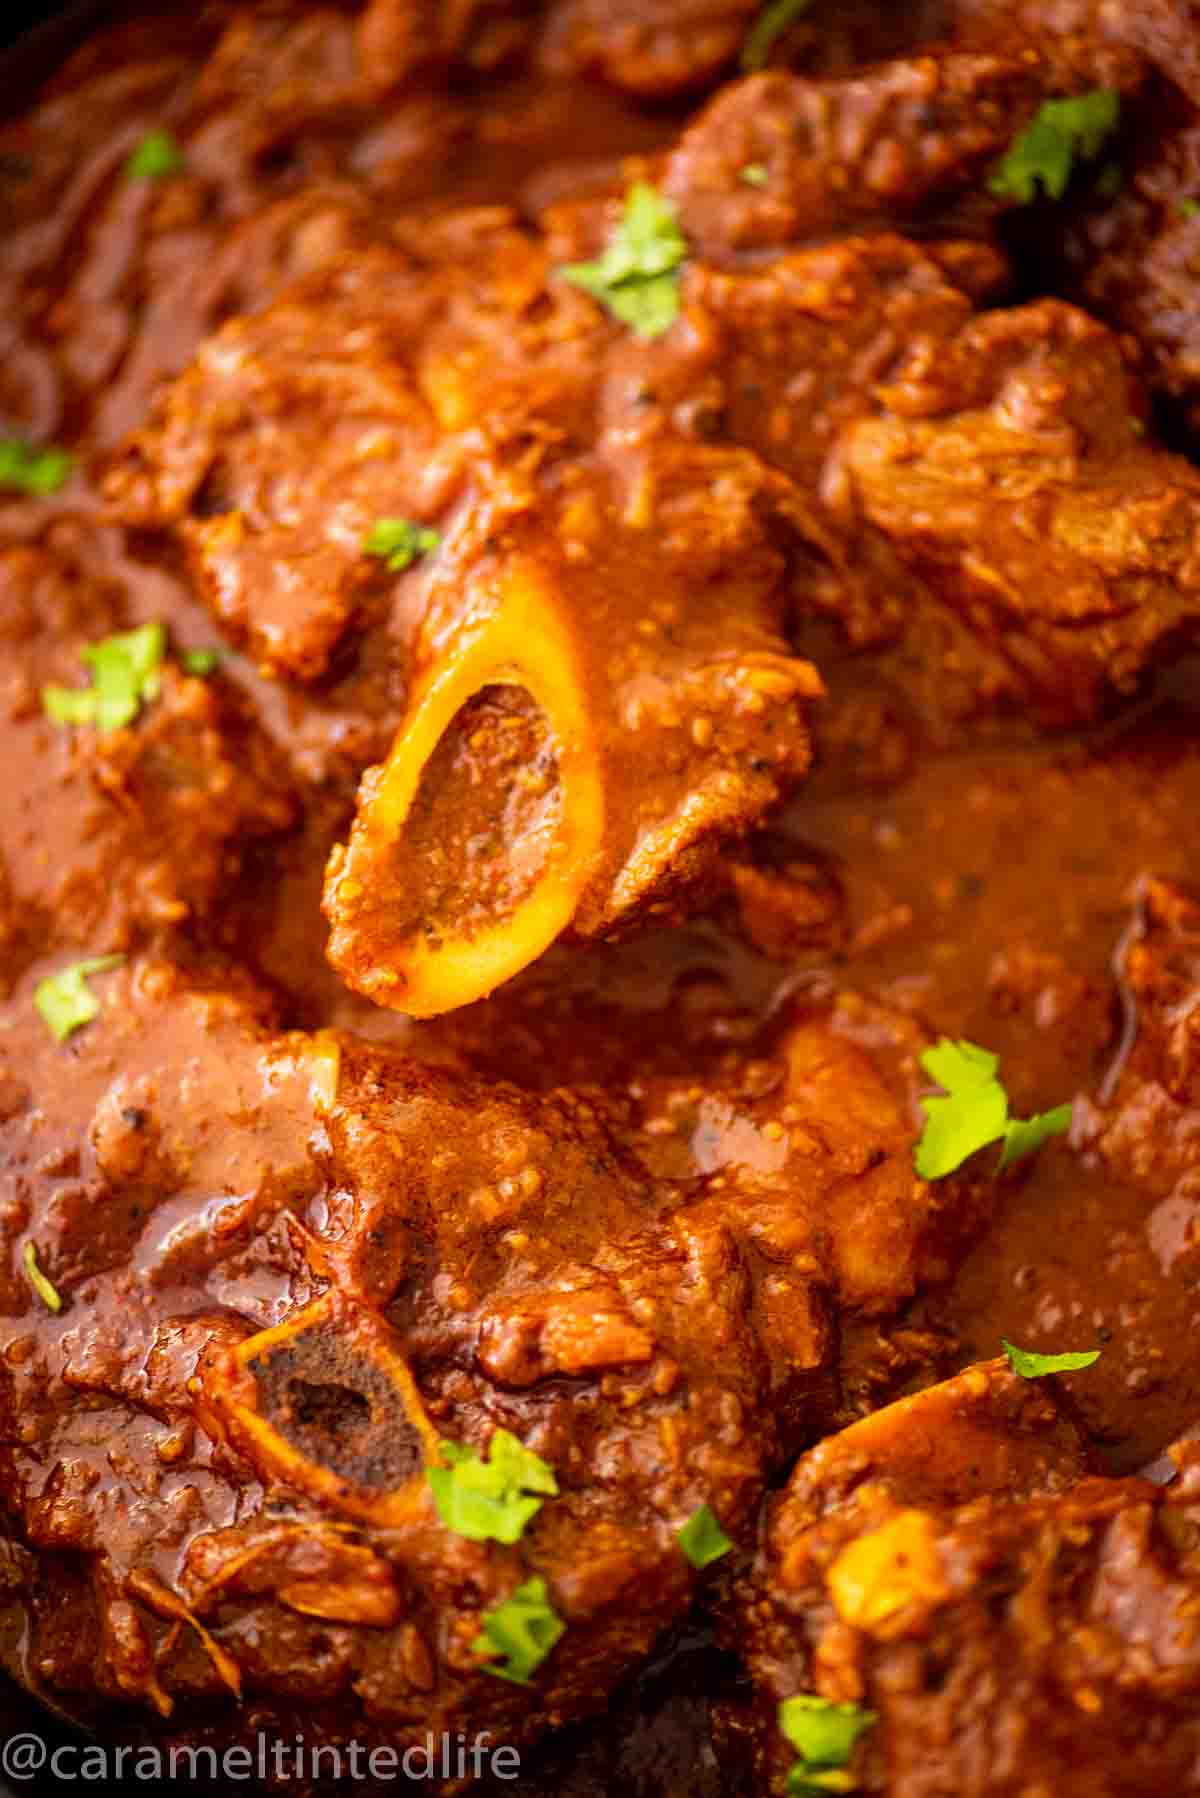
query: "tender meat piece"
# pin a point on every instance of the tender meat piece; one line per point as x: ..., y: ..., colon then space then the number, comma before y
x: 377, y: 1255
x: 575, y: 754
x: 1131, y: 256
x: 652, y: 48
x: 286, y: 67
x: 656, y: 48
x: 793, y: 351
x: 192, y: 279
x: 387, y: 378
x: 149, y: 823
x: 1012, y: 477
x: 1014, y: 1624
x: 901, y: 141
x: 919, y: 426
x: 652, y: 731
x: 837, y: 1080
x: 154, y: 1163
x: 400, y: 39
x: 1164, y: 31
x: 293, y: 432
x: 95, y: 272
x: 110, y: 282
x: 1128, y: 256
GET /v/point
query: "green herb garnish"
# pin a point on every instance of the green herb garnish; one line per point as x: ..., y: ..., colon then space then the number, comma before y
x: 199, y: 662
x: 1045, y: 153
x: 974, y: 1112
x: 37, y: 472
x: 824, y: 1736
x: 1188, y: 208
x: 399, y: 542
x: 156, y: 157
x: 1034, y: 1367
x: 702, y: 1539
x: 523, y: 1629
x: 65, y: 1002
x: 637, y: 277
x: 490, y: 1500
x: 755, y: 174
x: 771, y: 23
x: 48, y: 1293
x: 125, y: 676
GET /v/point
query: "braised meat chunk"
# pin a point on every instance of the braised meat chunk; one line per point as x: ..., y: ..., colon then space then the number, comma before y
x: 997, y: 1619
x: 160, y: 800
x: 905, y: 142
x: 596, y: 896
x: 382, y: 1259
x: 658, y: 731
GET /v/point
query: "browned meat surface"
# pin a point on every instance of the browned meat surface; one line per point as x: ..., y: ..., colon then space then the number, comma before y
x: 1011, y: 1623
x: 159, y: 813
x: 652, y: 50
x: 318, y: 1258
x: 1132, y: 256
x: 901, y: 142
x: 568, y: 612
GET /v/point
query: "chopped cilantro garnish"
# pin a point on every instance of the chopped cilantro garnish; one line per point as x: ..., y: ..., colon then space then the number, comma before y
x: 156, y: 157
x: 48, y: 1293
x: 974, y: 1112
x: 755, y: 174
x: 399, y: 542
x: 1045, y: 153
x: 523, y: 1629
x: 1023, y: 1135
x: 490, y: 1500
x: 1188, y: 208
x: 37, y: 472
x: 65, y: 1002
x: 637, y: 277
x: 199, y: 661
x: 824, y: 1736
x: 771, y: 23
x: 124, y: 677
x: 1033, y: 1367
x: 702, y: 1539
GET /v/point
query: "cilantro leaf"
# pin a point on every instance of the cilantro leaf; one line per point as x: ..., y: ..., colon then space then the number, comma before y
x: 1024, y: 1135
x: 524, y: 1629
x: 156, y: 157
x: 637, y: 277
x: 824, y: 1736
x: 771, y: 23
x: 490, y: 1500
x: 974, y: 1112
x: 46, y: 1291
x: 199, y: 661
x: 399, y: 542
x: 125, y: 676
x: 1188, y: 208
x: 65, y: 1002
x: 755, y: 174
x: 1032, y: 1366
x: 37, y: 472
x: 1046, y: 151
x: 702, y: 1539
